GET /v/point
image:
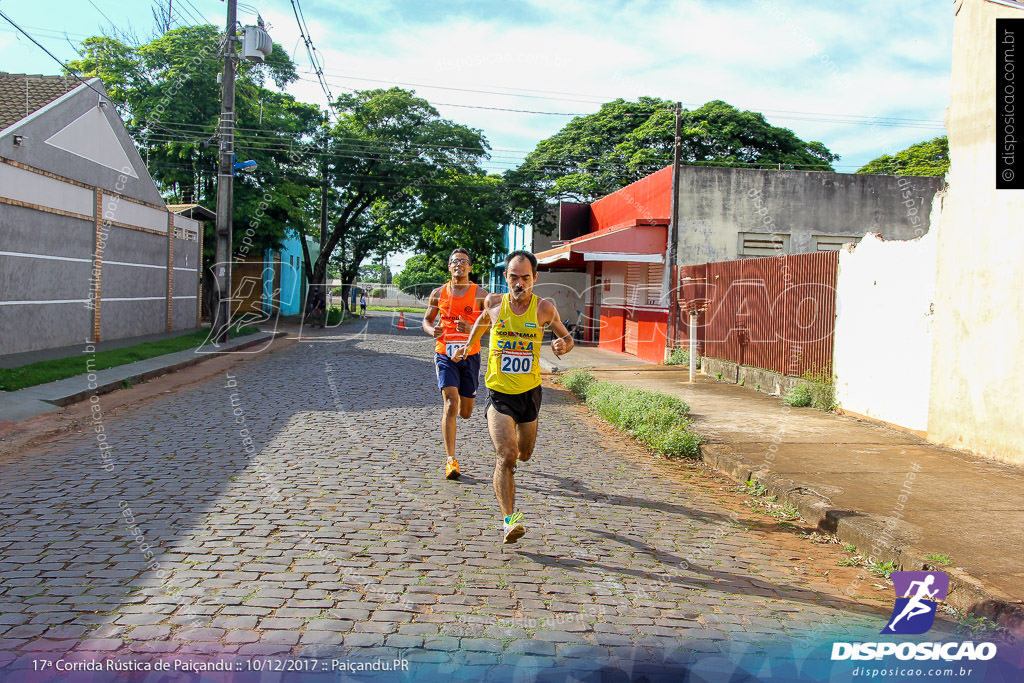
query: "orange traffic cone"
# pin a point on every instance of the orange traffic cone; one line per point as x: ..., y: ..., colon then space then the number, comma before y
x: 401, y: 320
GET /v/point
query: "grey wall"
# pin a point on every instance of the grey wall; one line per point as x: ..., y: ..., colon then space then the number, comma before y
x: 46, y: 234
x: 716, y: 204
x: 27, y: 327
x: 185, y: 311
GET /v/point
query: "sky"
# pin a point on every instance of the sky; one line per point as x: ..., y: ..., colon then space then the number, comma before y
x: 865, y: 78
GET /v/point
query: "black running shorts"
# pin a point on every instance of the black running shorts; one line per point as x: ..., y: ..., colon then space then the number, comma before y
x: 520, y: 407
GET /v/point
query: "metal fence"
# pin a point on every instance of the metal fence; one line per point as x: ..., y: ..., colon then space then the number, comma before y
x: 389, y: 295
x: 774, y: 313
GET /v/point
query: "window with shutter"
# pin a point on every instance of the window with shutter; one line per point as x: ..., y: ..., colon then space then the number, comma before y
x: 654, y: 275
x: 761, y: 245
x: 636, y: 283
x: 833, y: 242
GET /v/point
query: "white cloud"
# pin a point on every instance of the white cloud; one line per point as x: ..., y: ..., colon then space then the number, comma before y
x: 866, y: 59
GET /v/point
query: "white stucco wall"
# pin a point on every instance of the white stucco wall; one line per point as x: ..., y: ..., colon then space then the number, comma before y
x: 885, y: 294
x: 565, y: 290
x: 977, y: 398
x: 614, y: 281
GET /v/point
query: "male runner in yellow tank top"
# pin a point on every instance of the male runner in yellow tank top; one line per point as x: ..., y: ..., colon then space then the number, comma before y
x: 517, y: 321
x: 459, y: 303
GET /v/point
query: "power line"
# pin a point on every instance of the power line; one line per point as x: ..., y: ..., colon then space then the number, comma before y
x: 103, y: 14
x: 594, y: 99
x: 202, y: 16
x: 588, y: 165
x: 358, y: 148
x: 300, y: 19
x: 54, y: 57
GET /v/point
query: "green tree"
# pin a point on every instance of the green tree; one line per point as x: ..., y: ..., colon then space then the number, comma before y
x: 375, y: 272
x: 421, y: 274
x: 471, y: 217
x: 169, y: 95
x: 600, y: 153
x: 395, y: 167
x: 929, y: 158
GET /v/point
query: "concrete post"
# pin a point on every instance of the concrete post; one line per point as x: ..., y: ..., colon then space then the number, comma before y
x: 225, y: 183
x: 693, y: 345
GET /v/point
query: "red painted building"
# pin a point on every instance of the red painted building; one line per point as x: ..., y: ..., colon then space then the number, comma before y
x: 726, y: 214
x: 620, y: 242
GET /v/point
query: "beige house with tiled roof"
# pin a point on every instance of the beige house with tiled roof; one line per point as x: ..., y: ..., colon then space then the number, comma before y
x: 88, y: 249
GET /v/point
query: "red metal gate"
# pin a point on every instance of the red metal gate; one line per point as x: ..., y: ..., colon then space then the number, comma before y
x: 774, y: 313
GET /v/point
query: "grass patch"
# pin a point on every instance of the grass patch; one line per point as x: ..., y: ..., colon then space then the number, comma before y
x: 337, y: 315
x: 798, y: 397
x: 12, y: 379
x: 680, y: 355
x: 398, y: 309
x: 578, y: 382
x: 752, y: 488
x: 784, y: 513
x: 819, y: 391
x: 975, y: 628
x: 883, y: 569
x: 658, y: 421
x: 941, y: 558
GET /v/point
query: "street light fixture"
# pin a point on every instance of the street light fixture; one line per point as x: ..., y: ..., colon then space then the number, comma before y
x: 243, y: 166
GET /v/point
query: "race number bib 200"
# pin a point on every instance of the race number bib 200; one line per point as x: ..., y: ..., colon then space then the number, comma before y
x: 513, y: 363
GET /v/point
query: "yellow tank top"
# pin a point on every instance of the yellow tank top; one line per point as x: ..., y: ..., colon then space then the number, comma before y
x: 513, y: 361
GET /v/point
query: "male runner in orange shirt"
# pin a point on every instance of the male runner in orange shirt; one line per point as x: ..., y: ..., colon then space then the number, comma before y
x: 459, y: 302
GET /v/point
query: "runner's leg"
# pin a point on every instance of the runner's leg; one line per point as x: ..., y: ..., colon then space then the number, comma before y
x: 450, y: 397
x: 502, y: 429
x: 469, y: 382
x: 526, y: 437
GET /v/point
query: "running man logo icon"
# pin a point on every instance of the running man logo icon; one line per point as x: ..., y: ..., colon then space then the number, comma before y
x: 916, y: 596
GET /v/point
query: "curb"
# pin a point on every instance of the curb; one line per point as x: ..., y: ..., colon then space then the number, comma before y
x: 865, y: 530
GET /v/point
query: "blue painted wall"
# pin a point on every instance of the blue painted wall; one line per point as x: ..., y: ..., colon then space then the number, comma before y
x: 514, y: 237
x: 289, y: 298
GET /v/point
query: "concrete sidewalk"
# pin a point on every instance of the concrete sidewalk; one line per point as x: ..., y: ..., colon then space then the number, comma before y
x: 24, y: 404
x: 890, y: 493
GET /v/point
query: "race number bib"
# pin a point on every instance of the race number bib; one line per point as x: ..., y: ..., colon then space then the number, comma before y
x: 453, y: 345
x: 513, y: 363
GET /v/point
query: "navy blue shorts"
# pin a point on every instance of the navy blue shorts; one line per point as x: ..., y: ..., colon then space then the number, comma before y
x: 465, y: 375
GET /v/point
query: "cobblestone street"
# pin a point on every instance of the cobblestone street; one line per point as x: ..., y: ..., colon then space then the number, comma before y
x: 295, y: 507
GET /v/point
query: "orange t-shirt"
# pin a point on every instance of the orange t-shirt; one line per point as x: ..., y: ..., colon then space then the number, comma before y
x: 451, y: 308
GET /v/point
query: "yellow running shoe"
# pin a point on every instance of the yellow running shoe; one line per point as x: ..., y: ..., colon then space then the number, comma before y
x: 451, y: 469
x: 513, y: 527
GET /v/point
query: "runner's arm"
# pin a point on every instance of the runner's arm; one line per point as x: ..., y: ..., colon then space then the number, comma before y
x: 481, y: 305
x: 482, y: 324
x: 548, y: 314
x: 431, y: 315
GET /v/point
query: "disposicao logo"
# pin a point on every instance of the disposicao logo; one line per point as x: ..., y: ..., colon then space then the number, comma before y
x: 917, y: 594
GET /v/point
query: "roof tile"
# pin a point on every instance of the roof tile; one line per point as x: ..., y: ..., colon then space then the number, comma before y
x: 23, y: 94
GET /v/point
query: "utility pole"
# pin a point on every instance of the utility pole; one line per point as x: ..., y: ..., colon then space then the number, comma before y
x: 323, y: 215
x: 225, y: 182
x: 673, y: 238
